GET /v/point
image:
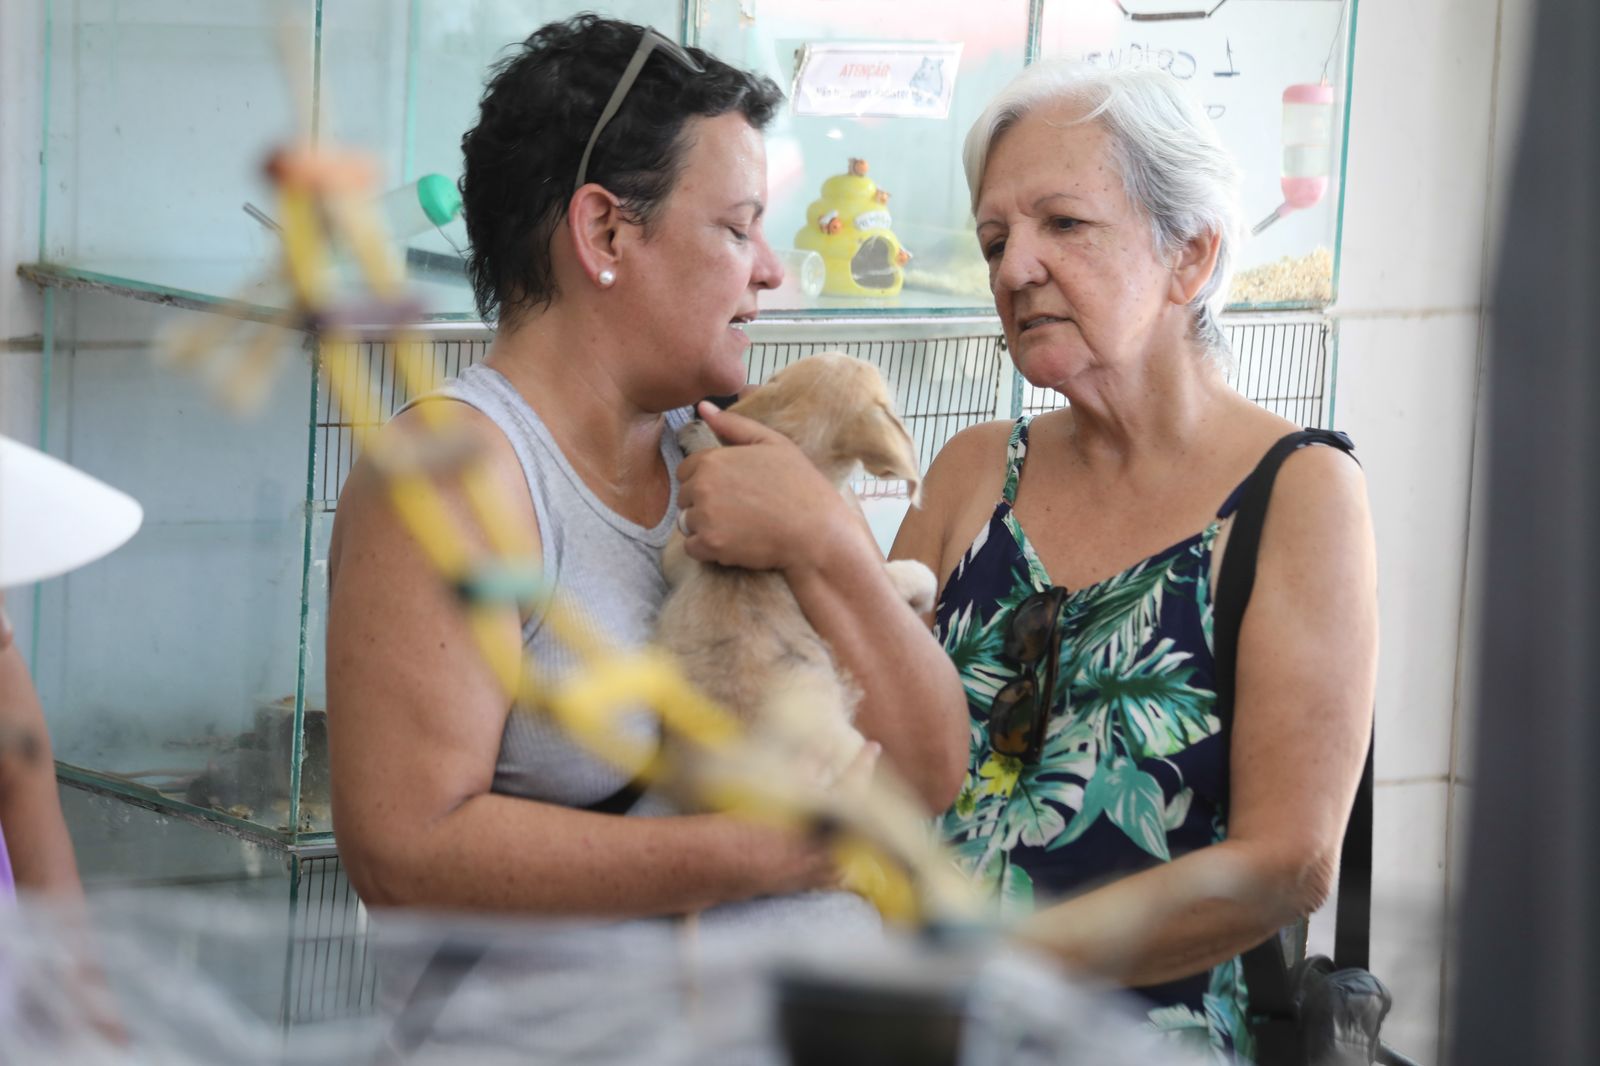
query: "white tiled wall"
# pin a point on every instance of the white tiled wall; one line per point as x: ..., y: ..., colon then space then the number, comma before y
x: 1406, y: 397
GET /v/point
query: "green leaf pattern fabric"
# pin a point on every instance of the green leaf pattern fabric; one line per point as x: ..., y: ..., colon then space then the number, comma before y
x: 1131, y: 772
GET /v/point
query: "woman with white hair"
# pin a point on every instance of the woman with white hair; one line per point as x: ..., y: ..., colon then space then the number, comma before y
x: 1103, y: 795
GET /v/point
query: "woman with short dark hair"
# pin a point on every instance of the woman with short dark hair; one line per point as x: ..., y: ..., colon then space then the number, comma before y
x: 614, y: 191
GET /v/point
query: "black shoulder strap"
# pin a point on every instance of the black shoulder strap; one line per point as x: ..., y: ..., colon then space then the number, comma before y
x: 1238, y: 577
x: 619, y: 802
x: 1266, y: 973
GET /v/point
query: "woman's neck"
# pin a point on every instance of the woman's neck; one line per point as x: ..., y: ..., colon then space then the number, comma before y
x: 1151, y: 410
x: 573, y: 379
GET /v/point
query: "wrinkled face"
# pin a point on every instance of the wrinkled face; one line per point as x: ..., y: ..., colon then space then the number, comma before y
x: 693, y: 281
x: 1072, y: 261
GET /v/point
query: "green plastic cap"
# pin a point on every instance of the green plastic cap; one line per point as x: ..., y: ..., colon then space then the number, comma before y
x: 439, y: 199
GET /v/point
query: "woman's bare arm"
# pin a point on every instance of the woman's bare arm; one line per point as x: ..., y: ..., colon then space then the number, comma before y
x: 415, y: 722
x: 30, y: 803
x: 1307, y: 668
x: 963, y: 484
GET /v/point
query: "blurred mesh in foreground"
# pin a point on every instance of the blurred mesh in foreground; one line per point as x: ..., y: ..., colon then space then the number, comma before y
x: 165, y: 978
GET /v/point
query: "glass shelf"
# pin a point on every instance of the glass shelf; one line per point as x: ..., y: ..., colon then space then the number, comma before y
x: 102, y: 783
x: 224, y: 288
x: 231, y: 288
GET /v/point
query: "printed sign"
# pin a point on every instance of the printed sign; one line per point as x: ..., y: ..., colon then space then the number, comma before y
x: 880, y: 80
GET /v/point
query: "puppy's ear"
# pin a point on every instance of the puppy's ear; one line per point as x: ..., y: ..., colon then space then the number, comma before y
x: 762, y: 404
x: 881, y: 442
x: 791, y: 408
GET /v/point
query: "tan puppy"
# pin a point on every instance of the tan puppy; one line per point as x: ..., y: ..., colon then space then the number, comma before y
x: 740, y: 634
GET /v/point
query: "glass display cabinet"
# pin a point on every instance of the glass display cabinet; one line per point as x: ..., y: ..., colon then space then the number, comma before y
x: 184, y: 674
x: 160, y: 115
x: 1274, y: 76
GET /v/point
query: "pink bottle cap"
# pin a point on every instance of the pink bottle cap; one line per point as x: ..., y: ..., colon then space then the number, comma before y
x: 1308, y: 94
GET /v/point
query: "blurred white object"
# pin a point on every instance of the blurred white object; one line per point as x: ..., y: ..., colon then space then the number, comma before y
x: 803, y: 275
x: 54, y: 518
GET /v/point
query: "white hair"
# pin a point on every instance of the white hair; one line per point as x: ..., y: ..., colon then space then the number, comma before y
x: 1174, y: 166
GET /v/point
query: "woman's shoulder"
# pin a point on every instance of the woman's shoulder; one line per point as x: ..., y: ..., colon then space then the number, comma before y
x: 976, y: 447
x: 971, y: 464
x: 364, y: 510
x: 1316, y: 462
x: 1256, y: 430
x: 465, y: 429
x: 965, y: 477
x: 1319, y: 500
x: 1323, y: 482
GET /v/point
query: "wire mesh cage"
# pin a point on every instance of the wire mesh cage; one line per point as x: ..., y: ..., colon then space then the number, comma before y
x: 1279, y: 361
x: 940, y: 384
x: 1283, y: 364
x: 331, y: 972
x: 945, y: 376
x: 375, y: 373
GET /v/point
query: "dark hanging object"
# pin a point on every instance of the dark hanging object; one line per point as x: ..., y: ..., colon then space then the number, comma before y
x: 1529, y: 968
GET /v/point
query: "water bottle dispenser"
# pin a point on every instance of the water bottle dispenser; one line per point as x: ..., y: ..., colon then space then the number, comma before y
x: 1307, y: 149
x: 419, y: 206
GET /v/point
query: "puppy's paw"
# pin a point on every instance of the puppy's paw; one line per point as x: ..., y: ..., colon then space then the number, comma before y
x: 696, y: 436
x: 914, y: 583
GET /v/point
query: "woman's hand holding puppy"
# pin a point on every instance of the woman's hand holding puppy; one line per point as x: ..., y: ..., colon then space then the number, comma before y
x: 761, y: 504
x: 803, y: 861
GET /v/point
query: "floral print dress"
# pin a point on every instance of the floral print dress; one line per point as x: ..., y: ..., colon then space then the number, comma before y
x: 1132, y: 770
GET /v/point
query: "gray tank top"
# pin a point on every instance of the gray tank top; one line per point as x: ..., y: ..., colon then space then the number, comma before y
x: 608, y: 570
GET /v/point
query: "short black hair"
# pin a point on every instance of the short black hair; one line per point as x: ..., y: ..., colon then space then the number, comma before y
x: 537, y: 111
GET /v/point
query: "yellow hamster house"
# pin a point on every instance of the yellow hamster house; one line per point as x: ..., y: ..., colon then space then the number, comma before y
x: 849, y: 228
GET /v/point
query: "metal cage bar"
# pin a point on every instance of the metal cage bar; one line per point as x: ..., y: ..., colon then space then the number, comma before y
x: 331, y: 972
x: 942, y: 382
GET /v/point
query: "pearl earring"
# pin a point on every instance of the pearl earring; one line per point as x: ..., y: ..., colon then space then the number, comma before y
x: 606, y: 279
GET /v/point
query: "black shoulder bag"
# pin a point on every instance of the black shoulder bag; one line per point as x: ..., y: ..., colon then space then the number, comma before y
x: 1322, y: 1012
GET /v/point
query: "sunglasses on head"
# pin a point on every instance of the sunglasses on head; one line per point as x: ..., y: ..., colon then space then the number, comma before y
x: 648, y: 43
x: 1020, y: 711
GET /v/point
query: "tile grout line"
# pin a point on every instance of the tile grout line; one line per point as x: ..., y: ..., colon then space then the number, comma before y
x: 1381, y: 313
x: 1415, y: 779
